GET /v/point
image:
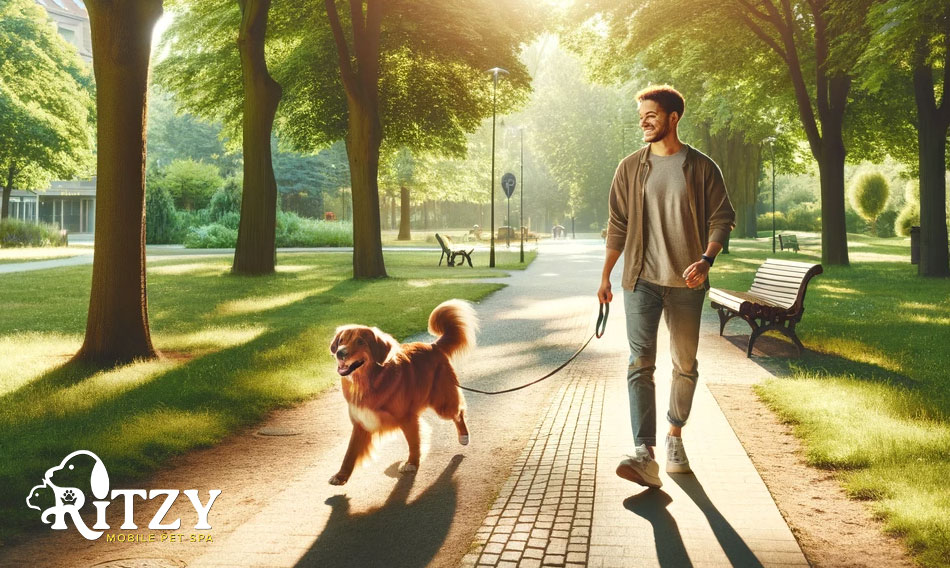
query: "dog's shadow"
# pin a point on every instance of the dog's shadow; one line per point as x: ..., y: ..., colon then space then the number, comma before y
x: 398, y: 534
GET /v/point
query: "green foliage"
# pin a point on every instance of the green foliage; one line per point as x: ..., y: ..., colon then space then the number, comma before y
x: 191, y: 184
x: 226, y: 200
x: 764, y: 221
x: 16, y: 233
x: 47, y: 111
x: 211, y: 236
x: 804, y: 217
x: 161, y: 219
x: 292, y: 231
x: 869, y: 193
x: 432, y: 86
x: 908, y: 217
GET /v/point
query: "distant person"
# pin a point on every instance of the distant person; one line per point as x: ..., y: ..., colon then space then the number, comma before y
x: 669, y: 216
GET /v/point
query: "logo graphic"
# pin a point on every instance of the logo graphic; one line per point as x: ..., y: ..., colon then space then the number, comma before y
x: 63, y: 494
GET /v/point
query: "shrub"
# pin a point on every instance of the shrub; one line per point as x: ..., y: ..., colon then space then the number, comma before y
x: 804, y: 217
x: 211, y: 236
x: 226, y: 200
x: 190, y: 183
x: 764, y: 221
x: 869, y: 194
x: 854, y: 222
x: 296, y: 231
x: 908, y: 217
x: 886, y: 223
x: 16, y: 233
x: 161, y: 219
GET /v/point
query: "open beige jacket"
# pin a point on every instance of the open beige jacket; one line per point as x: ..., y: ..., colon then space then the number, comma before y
x: 713, y: 215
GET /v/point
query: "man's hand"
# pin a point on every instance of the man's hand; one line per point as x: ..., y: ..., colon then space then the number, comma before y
x: 603, y: 293
x: 695, y: 274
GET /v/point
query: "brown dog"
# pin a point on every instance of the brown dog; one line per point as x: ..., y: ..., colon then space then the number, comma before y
x: 388, y: 385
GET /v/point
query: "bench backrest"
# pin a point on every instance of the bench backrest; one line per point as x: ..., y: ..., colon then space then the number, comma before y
x: 445, y: 249
x: 783, y: 282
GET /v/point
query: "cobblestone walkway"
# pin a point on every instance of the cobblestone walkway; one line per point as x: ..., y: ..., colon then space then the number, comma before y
x: 544, y: 511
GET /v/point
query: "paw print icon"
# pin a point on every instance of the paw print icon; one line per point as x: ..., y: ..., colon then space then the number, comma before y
x: 69, y: 496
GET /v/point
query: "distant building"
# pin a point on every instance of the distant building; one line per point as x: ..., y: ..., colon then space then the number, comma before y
x: 72, y: 22
x: 70, y: 205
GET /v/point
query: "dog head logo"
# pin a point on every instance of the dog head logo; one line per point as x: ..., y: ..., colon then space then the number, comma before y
x: 62, y: 492
x: 82, y: 478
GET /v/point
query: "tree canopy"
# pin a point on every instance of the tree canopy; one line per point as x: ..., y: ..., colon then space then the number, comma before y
x: 47, y: 109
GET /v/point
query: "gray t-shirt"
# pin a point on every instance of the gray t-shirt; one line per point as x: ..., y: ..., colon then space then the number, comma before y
x: 666, y: 216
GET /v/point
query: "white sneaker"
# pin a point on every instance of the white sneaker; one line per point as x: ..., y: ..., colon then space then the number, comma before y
x: 676, y: 460
x: 640, y: 468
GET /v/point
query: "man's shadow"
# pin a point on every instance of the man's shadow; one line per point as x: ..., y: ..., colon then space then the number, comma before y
x: 398, y: 534
x: 651, y: 505
x: 736, y: 549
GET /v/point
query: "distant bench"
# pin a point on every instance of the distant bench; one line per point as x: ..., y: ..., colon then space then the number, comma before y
x: 775, y: 302
x: 450, y: 254
x: 789, y: 242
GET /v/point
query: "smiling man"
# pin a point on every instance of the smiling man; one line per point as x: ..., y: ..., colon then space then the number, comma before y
x: 669, y: 215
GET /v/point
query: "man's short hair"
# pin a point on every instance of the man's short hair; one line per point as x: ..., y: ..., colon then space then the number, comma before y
x: 669, y: 99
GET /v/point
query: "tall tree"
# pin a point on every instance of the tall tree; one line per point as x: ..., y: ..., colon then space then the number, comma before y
x: 117, y: 325
x: 46, y: 103
x: 413, y: 76
x: 916, y: 35
x: 256, y: 252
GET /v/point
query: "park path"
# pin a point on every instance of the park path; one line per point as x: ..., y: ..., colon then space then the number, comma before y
x: 535, y: 487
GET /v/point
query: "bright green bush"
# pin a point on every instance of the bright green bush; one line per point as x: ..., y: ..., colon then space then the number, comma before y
x: 161, y: 219
x: 804, y: 217
x: 211, y: 236
x: 909, y: 217
x: 16, y: 233
x: 226, y: 200
x: 869, y: 194
x: 190, y: 183
x: 764, y: 221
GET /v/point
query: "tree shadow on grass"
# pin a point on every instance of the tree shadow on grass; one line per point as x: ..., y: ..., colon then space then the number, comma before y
x: 732, y: 544
x: 652, y: 506
x: 399, y: 534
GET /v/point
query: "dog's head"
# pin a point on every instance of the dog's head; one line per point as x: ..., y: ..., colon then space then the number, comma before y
x: 358, y: 345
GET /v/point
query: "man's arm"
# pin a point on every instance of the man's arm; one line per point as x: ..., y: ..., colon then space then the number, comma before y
x: 603, y: 293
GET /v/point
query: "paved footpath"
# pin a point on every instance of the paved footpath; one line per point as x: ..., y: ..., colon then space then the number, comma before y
x: 535, y: 488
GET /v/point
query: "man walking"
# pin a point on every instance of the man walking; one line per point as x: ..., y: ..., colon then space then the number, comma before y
x: 669, y: 215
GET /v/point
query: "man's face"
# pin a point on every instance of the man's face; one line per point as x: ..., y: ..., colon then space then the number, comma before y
x: 654, y: 121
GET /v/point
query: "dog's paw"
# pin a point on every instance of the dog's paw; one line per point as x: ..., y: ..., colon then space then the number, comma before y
x: 463, y: 439
x: 408, y: 468
x: 338, y: 479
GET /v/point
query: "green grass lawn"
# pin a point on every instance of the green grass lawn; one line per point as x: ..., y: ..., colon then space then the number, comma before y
x: 871, y: 399
x: 236, y: 347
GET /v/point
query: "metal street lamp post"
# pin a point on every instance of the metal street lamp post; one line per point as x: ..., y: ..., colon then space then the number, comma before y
x: 772, y: 155
x: 521, y: 225
x: 494, y: 71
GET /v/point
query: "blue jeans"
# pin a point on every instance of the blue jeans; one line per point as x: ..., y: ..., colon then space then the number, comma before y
x: 682, y: 308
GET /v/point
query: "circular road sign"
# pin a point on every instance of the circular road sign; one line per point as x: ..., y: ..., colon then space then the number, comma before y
x: 508, y: 184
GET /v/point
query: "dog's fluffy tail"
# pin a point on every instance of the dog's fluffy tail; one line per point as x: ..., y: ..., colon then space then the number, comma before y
x: 455, y: 324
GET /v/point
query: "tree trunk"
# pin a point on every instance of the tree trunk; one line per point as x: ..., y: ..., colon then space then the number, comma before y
x: 7, y: 190
x: 932, y: 124
x: 117, y: 325
x: 834, y: 231
x: 392, y: 212
x: 256, y: 248
x: 362, y: 148
x: 404, y: 214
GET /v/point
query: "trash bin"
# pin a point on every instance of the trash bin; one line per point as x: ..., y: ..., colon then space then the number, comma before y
x: 915, y: 245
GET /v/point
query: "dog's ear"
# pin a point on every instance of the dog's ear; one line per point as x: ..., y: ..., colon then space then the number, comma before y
x: 381, y: 345
x: 335, y: 344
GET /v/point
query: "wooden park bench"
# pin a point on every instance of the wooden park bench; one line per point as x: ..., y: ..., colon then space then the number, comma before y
x: 775, y: 302
x: 788, y: 242
x: 450, y: 254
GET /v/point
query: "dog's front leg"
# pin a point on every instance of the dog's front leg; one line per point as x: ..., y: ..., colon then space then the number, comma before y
x: 359, y: 446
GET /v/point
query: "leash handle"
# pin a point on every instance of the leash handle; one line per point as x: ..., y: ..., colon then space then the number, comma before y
x: 599, y: 330
x: 601, y: 326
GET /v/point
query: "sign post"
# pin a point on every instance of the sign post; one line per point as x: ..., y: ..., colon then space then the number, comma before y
x: 508, y: 185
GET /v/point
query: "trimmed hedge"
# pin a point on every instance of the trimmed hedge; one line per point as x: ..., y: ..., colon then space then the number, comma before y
x: 292, y: 231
